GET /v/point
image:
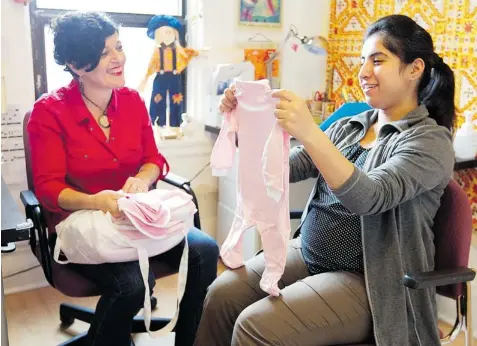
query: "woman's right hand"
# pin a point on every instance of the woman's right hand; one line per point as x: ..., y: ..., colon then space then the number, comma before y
x: 228, y: 102
x: 107, y: 200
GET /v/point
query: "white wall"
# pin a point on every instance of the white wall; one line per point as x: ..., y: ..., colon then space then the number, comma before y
x: 16, y: 54
x: 301, y: 71
x: 17, y: 69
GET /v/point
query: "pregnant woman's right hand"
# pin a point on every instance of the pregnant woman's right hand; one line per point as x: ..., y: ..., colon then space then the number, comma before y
x: 228, y: 102
x: 107, y: 200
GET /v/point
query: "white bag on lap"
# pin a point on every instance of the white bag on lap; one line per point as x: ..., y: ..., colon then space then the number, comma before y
x: 91, y: 237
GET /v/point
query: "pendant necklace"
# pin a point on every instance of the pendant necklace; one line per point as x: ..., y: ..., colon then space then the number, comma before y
x: 103, y: 120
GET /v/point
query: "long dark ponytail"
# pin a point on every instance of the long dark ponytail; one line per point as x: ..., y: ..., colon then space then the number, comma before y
x: 409, y: 41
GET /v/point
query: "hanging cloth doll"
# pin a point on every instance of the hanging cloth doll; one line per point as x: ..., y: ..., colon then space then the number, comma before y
x: 168, y: 61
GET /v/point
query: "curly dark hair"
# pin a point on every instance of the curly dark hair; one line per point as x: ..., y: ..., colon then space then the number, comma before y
x: 79, y: 38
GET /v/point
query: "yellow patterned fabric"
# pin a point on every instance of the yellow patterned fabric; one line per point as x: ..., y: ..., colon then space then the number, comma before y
x: 453, y: 26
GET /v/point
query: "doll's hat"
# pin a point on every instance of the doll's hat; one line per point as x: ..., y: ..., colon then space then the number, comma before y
x: 162, y: 20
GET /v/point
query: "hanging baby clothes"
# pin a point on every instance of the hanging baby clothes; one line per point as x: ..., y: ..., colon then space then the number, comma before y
x: 153, y: 223
x: 262, y: 179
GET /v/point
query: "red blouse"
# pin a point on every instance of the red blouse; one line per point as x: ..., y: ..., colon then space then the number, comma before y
x: 69, y: 149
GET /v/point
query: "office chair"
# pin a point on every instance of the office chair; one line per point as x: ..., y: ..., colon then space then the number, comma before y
x: 68, y: 281
x: 451, y: 276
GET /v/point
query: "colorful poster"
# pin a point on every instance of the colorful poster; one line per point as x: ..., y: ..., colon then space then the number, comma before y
x: 261, y: 13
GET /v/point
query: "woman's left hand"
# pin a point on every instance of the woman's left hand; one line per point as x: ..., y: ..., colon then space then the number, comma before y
x: 135, y: 185
x: 293, y: 114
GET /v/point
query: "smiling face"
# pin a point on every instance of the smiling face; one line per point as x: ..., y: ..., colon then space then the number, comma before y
x: 109, y: 73
x: 385, y: 80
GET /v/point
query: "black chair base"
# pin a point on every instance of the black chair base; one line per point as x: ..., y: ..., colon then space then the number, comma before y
x: 71, y: 312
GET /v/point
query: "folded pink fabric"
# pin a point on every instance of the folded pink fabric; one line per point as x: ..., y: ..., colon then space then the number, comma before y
x: 154, y: 214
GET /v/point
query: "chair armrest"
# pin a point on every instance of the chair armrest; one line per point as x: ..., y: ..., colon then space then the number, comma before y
x: 296, y: 214
x: 39, y: 233
x: 184, y: 184
x: 29, y: 199
x: 175, y: 180
x: 438, y: 278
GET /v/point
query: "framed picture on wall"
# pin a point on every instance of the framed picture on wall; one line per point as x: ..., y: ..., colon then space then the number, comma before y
x: 264, y: 13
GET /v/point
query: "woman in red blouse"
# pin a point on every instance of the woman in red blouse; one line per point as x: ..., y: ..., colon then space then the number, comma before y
x: 91, y: 139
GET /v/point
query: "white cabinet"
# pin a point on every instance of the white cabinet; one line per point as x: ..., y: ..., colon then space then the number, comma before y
x: 227, y: 199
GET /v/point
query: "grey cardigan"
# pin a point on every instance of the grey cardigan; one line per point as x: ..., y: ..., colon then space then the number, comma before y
x: 397, y: 195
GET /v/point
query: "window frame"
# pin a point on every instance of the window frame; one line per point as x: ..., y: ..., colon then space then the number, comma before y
x: 40, y: 17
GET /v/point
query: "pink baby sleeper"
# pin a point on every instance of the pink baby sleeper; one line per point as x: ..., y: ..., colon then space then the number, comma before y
x: 262, y: 179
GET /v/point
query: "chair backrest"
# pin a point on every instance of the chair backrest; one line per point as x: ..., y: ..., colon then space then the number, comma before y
x: 452, y: 234
x: 27, y: 148
x: 346, y: 110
